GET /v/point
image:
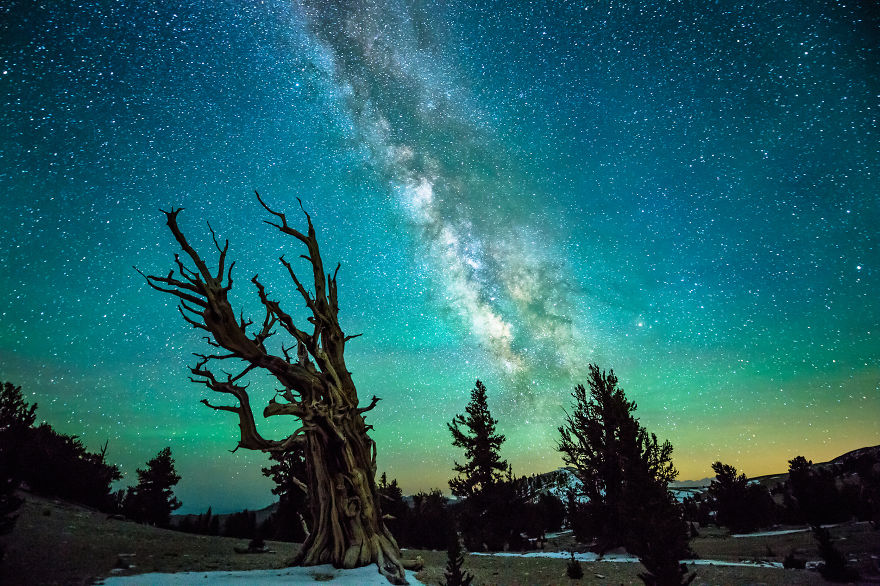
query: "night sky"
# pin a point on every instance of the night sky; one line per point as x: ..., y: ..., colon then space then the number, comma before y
x: 685, y: 192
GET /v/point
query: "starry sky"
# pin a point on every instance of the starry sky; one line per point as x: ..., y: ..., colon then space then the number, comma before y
x: 685, y: 192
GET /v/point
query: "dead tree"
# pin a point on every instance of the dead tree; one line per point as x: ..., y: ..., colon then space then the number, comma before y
x: 316, y: 389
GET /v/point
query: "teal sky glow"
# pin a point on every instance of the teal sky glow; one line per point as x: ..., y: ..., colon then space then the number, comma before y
x: 683, y: 193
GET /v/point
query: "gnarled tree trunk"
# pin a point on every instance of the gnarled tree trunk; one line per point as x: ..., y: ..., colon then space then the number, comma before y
x: 347, y: 528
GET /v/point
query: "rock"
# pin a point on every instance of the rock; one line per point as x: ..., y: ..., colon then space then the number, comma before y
x: 263, y: 549
x: 124, y: 561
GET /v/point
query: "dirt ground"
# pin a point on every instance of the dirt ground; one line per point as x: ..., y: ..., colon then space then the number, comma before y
x: 58, y: 543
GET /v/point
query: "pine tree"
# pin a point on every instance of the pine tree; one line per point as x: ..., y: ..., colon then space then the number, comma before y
x: 476, y: 434
x: 815, y: 491
x: 287, y: 469
x: 611, y: 453
x: 489, y: 517
x: 153, y: 500
x: 430, y: 521
x: 394, y: 507
x: 203, y: 522
x: 15, y: 414
x: 659, y: 536
x: 739, y: 505
x: 454, y: 574
x: 16, y: 419
x: 327, y: 416
x: 56, y: 464
x: 214, y: 525
x: 51, y: 463
x: 624, y: 472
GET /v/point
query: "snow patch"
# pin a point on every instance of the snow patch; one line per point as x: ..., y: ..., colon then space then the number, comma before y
x: 747, y: 564
x: 770, y: 533
x: 564, y: 555
x: 624, y: 558
x: 327, y: 574
x: 779, y: 532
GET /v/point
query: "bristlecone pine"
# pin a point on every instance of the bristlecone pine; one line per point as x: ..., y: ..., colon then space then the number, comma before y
x: 316, y: 388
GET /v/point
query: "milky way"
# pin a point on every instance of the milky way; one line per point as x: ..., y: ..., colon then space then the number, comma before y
x: 412, y: 114
x: 686, y: 194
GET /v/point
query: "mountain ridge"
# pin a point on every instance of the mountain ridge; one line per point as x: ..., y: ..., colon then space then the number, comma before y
x: 558, y: 481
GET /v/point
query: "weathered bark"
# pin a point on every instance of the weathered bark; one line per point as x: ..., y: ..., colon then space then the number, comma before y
x: 346, y: 518
x: 348, y: 528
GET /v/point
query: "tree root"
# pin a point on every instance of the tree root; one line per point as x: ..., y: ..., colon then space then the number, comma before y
x: 378, y: 550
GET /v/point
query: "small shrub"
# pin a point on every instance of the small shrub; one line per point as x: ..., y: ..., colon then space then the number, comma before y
x: 455, y: 575
x: 574, y: 569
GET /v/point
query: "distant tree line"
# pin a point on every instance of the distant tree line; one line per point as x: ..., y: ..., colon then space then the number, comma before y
x: 54, y: 464
x: 204, y: 524
x: 814, y: 495
x: 48, y: 462
x: 429, y: 520
x: 286, y: 523
x: 811, y: 494
x: 242, y: 524
x: 622, y: 498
